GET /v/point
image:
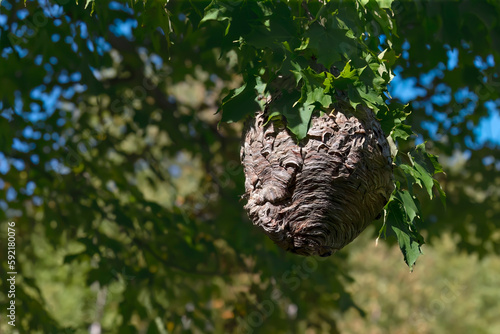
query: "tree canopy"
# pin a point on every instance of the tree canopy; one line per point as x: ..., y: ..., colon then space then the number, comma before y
x: 119, y: 150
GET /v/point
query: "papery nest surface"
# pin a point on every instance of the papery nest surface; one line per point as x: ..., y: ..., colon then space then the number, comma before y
x: 316, y: 196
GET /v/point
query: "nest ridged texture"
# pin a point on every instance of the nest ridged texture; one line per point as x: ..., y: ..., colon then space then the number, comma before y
x: 315, y: 197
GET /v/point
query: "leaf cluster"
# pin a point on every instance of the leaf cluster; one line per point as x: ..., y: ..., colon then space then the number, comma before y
x: 313, y: 57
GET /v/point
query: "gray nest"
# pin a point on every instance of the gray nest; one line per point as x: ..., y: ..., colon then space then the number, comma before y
x: 315, y: 197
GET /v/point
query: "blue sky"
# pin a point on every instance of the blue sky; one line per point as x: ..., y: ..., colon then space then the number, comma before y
x: 407, y: 90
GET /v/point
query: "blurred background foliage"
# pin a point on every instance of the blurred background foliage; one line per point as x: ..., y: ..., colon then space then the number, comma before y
x: 126, y: 192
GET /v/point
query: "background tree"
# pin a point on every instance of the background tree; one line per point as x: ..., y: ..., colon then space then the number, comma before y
x: 125, y: 188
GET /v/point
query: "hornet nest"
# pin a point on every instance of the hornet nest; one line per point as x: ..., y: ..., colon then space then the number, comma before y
x: 315, y: 197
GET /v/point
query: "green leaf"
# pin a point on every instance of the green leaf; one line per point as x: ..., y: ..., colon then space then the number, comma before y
x: 303, y: 45
x: 318, y: 95
x: 389, y: 56
x: 419, y: 176
x: 409, y: 247
x: 411, y: 175
x: 409, y: 240
x: 240, y: 102
x: 297, y: 114
x: 425, y: 166
x: 329, y: 43
x: 426, y: 178
x: 215, y: 14
x: 348, y: 72
x: 297, y: 72
x: 314, y: 89
x: 313, y: 79
x: 370, y: 97
x: 354, y: 97
x: 381, y: 16
x: 442, y: 194
x: 429, y: 161
x: 384, y: 3
x: 219, y: 12
x: 408, y: 203
x: 298, y: 123
x: 392, y: 115
x: 402, y: 131
x: 274, y: 117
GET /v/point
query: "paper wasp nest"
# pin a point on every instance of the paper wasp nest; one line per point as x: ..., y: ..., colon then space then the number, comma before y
x: 315, y: 197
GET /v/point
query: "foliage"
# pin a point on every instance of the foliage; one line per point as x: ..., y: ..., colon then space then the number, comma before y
x: 450, y: 55
x: 282, y: 47
x: 114, y: 169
